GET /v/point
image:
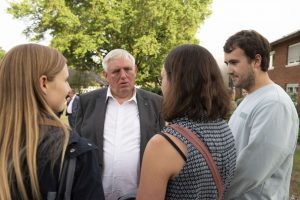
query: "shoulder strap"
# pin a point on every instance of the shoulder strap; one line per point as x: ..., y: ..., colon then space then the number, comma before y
x: 70, y: 178
x: 174, y: 145
x: 187, y: 133
x: 67, y: 177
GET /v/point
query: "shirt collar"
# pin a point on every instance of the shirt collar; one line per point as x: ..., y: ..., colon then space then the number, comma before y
x: 109, y: 95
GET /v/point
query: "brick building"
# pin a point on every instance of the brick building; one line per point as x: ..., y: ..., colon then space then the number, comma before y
x: 284, y: 66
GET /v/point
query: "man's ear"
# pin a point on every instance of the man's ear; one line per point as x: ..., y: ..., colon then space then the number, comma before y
x: 257, y: 61
x: 105, y: 74
x: 43, y: 83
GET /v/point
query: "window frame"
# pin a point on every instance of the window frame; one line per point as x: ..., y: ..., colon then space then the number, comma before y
x: 272, y: 60
x: 297, y: 61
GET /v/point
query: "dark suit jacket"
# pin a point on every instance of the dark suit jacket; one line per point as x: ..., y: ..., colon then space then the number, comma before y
x: 72, y: 116
x: 91, y: 116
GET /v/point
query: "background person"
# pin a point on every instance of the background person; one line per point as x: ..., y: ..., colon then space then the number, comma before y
x: 33, y: 141
x: 195, y: 97
x: 244, y: 94
x: 231, y: 92
x: 120, y: 119
x: 265, y: 125
x: 72, y: 107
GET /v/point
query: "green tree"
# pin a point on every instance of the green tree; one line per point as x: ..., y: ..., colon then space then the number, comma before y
x: 83, y: 79
x: 86, y: 30
x: 2, y: 53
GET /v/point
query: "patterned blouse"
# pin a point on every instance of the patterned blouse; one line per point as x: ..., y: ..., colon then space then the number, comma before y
x: 195, y: 180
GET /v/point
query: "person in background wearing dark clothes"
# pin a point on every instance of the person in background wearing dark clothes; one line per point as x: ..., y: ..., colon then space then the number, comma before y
x: 72, y: 107
x: 34, y: 143
x: 195, y: 97
x: 120, y: 119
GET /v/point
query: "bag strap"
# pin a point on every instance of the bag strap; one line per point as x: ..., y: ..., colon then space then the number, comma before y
x: 67, y: 175
x: 187, y: 133
x: 70, y: 178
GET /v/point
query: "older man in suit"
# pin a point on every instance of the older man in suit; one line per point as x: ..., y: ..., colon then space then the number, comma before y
x: 120, y: 119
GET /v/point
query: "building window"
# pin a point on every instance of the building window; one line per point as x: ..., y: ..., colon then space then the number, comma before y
x: 292, y: 90
x: 272, y: 60
x: 294, y: 55
x: 292, y: 87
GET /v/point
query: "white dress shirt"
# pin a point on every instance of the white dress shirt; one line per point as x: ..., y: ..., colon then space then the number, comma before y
x: 121, y: 147
x: 69, y: 108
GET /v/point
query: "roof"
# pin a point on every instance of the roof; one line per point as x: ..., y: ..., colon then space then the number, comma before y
x: 285, y: 38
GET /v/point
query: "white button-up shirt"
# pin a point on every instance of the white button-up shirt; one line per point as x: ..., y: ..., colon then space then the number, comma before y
x: 69, y: 108
x: 121, y: 147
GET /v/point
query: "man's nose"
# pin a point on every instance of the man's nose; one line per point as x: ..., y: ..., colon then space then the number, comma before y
x: 123, y: 73
x: 229, y: 69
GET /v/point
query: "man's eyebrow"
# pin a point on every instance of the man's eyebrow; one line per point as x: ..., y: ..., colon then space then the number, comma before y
x: 119, y: 67
x: 233, y: 60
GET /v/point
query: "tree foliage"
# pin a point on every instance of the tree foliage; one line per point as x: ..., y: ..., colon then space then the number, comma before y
x: 83, y: 79
x: 2, y: 53
x: 85, y: 30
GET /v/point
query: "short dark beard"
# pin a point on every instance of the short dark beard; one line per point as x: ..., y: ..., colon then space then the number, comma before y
x: 249, y: 82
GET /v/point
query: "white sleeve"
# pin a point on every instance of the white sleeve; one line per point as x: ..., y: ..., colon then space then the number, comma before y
x: 271, y: 140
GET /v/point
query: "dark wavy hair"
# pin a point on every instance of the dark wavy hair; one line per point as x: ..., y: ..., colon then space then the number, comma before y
x: 196, y: 86
x: 252, y: 43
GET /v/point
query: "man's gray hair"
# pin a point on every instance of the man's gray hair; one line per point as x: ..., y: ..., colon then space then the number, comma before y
x: 117, y: 54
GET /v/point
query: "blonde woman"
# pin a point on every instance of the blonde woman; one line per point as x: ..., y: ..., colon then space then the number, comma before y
x: 33, y: 141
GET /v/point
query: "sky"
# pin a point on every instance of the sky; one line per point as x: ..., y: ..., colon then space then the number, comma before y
x: 11, y: 29
x: 272, y: 18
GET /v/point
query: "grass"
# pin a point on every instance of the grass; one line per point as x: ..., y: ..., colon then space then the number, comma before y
x: 295, y: 182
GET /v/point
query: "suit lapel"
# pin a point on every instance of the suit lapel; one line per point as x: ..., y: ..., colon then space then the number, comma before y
x: 75, y: 105
x: 99, y: 119
x: 143, y: 108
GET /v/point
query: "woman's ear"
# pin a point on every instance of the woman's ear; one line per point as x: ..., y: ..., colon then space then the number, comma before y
x: 43, y: 83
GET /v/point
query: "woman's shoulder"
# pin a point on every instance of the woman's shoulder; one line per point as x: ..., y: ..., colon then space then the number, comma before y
x: 52, y: 143
x: 51, y: 132
x: 79, y: 145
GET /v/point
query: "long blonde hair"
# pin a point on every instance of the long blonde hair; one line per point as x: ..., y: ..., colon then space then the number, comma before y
x: 22, y: 108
